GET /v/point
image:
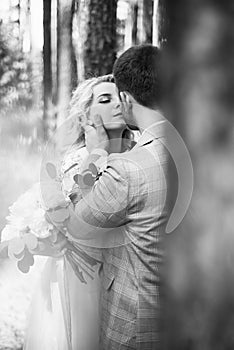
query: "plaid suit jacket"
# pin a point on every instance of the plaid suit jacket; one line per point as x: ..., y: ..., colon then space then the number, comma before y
x: 131, y: 196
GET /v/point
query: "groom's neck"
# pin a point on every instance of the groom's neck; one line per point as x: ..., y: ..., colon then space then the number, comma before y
x: 115, y: 137
x: 145, y: 117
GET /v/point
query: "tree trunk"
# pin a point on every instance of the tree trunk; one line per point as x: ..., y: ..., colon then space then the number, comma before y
x: 147, y: 20
x: 20, y: 24
x: 144, y: 21
x: 199, y: 81
x: 16, y: 23
x: 47, y: 76
x: 27, y: 34
x: 97, y: 36
x: 130, y: 33
x: 162, y: 21
x: 128, y: 29
x: 54, y: 48
x: 65, y: 57
x: 36, y: 66
x: 134, y: 23
x: 158, y: 16
x: 74, y: 80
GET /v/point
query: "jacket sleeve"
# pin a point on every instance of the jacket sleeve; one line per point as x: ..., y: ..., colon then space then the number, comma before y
x: 104, y: 207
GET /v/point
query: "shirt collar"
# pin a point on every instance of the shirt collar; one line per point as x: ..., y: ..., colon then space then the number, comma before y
x: 153, y: 132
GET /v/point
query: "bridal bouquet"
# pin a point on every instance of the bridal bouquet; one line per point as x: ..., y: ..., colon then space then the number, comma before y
x: 29, y: 229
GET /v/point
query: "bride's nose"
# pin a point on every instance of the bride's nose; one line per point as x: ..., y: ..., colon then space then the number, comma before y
x: 117, y: 104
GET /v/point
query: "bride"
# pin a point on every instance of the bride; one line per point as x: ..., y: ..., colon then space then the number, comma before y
x: 64, y: 313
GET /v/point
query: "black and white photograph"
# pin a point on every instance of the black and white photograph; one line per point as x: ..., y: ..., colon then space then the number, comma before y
x: 116, y: 175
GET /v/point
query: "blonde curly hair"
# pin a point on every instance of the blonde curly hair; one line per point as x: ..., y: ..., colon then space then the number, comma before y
x: 79, y: 110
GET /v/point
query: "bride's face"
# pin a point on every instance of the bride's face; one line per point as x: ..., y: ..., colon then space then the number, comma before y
x: 107, y: 104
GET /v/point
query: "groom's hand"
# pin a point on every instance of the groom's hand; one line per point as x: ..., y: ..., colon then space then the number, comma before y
x: 96, y: 136
x: 125, y: 103
x: 47, y: 247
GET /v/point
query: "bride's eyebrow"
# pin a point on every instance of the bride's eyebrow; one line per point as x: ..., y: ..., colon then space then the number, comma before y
x: 105, y: 94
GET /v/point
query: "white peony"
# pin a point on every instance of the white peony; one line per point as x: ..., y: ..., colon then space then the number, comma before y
x: 27, y: 214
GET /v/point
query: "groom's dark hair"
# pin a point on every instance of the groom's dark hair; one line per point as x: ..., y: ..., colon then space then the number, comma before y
x: 137, y: 71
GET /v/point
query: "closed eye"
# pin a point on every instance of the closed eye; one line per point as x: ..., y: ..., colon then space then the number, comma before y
x: 105, y: 98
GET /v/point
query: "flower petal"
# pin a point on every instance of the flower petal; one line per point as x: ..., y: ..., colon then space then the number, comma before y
x: 9, y: 232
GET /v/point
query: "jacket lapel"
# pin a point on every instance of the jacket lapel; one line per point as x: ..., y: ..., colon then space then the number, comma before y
x: 155, y: 131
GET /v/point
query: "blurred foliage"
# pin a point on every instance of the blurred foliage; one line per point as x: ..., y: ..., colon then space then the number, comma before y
x: 15, y: 85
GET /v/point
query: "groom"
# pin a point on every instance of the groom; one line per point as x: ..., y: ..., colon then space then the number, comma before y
x: 131, y: 197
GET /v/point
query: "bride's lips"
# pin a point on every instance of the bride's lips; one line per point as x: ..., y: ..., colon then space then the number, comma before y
x: 118, y: 114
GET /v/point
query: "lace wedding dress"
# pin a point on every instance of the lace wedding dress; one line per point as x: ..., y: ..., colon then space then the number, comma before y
x: 64, y: 314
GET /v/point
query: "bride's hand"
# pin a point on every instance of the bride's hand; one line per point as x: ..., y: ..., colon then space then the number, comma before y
x: 96, y: 136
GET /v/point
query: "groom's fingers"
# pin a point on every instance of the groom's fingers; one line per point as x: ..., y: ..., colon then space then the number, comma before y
x: 122, y: 97
x: 59, y: 246
x: 125, y: 101
x: 49, y: 250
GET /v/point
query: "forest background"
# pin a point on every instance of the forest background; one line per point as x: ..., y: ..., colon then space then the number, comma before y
x: 48, y: 47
